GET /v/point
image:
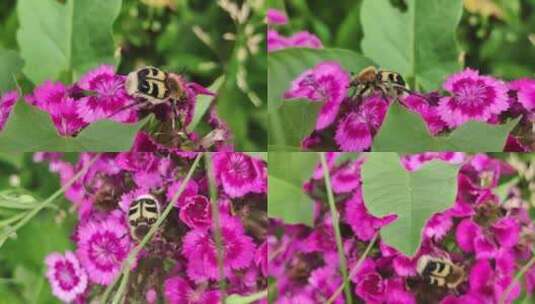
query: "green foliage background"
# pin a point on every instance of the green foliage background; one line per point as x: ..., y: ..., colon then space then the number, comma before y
x: 62, y: 39
x: 497, y: 46
x: 22, y: 269
x: 425, y: 40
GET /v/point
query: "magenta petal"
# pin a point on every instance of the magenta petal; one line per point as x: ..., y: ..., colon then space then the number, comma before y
x: 466, y: 233
x: 353, y: 134
x: 507, y: 232
x: 275, y: 16
x: 327, y: 82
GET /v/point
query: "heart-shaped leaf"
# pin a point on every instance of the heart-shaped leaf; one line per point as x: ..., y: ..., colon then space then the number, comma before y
x: 29, y: 129
x: 286, y: 198
x: 413, y: 196
x: 405, y: 131
x: 73, y: 37
x: 419, y: 43
x: 291, y: 123
x: 10, y: 65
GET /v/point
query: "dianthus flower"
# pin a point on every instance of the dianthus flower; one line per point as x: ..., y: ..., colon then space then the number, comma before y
x: 200, y: 250
x: 485, y: 238
x: 275, y: 16
x: 102, y: 247
x: 327, y: 82
x: 179, y: 291
x: 239, y: 174
x: 474, y: 97
x: 67, y: 278
x: 108, y: 96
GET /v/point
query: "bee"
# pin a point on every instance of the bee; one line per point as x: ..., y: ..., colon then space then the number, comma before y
x: 440, y: 272
x: 142, y: 214
x: 371, y: 80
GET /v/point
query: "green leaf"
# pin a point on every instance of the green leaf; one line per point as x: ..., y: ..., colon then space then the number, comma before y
x: 238, y: 299
x: 291, y: 123
x: 203, y: 103
x: 285, y: 65
x: 74, y: 37
x: 10, y: 65
x: 29, y: 129
x: 413, y: 196
x: 420, y: 43
x: 405, y: 131
x: 286, y: 199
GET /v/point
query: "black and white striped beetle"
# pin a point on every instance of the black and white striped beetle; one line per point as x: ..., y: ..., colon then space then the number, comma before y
x: 144, y: 211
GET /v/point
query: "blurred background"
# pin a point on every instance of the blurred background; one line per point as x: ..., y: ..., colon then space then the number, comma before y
x: 497, y: 36
x: 22, y: 270
x: 202, y: 39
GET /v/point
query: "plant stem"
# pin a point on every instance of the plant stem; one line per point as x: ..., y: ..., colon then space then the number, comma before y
x: 353, y: 270
x: 127, y: 264
x: 217, y: 226
x: 518, y: 277
x: 336, y: 226
x: 46, y: 202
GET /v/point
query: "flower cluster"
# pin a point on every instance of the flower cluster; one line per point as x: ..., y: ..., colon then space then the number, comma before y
x: 276, y: 41
x: 354, y: 121
x: 180, y: 263
x: 100, y: 94
x: 489, y: 238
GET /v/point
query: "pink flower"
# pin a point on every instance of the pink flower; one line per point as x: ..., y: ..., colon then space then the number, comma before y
x: 324, y: 281
x: 200, y: 250
x: 414, y: 162
x: 353, y: 134
x: 261, y: 258
x: 466, y: 233
x: 305, y: 39
x: 54, y: 98
x: 67, y: 278
x: 474, y: 97
x: 151, y: 296
x: 191, y: 189
x: 102, y: 247
x: 429, y: 113
x: 347, y: 178
x: 196, y: 212
x: 438, y: 226
x: 525, y: 92
x: 276, y: 41
x: 507, y: 232
x: 363, y: 224
x: 484, y: 248
x: 355, y: 131
x: 108, y: 95
x: 488, y: 285
x: 179, y: 291
x: 239, y: 173
x: 275, y: 16
x: 7, y: 101
x: 397, y: 294
x: 327, y: 82
x: 369, y: 284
